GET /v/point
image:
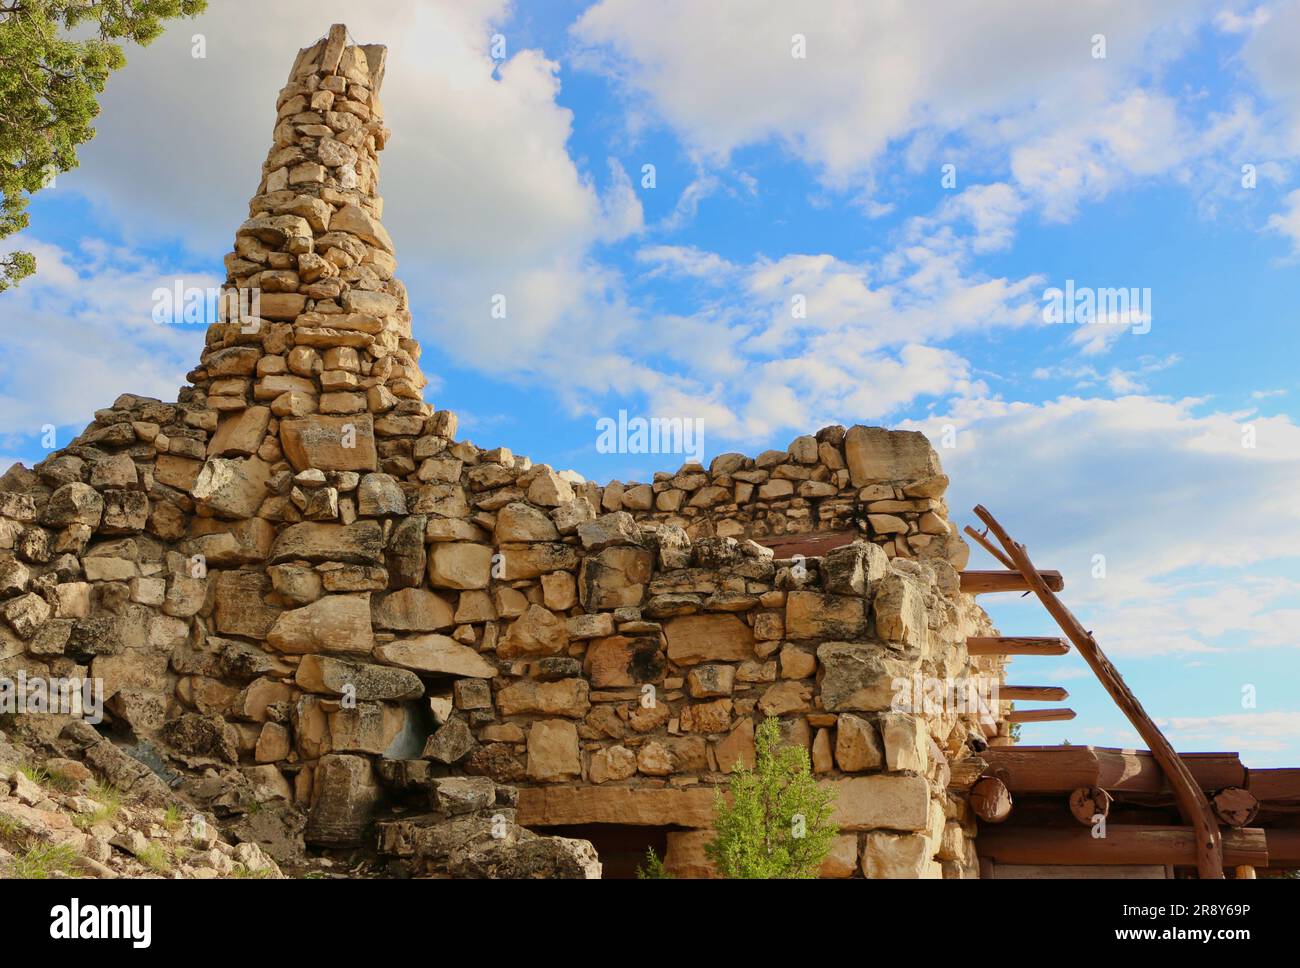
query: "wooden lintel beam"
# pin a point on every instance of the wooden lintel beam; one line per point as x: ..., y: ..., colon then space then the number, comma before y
x: 1277, y: 784
x: 985, y: 582
x: 1016, y: 645
x: 1060, y: 769
x: 1283, y: 846
x: 1034, y: 693
x: 1039, y: 715
x: 1123, y: 844
x: 811, y: 545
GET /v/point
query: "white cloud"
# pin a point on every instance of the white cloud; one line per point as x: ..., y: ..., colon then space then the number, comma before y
x: 1231, y: 22
x: 873, y: 73
x: 1269, y: 53
x: 80, y: 332
x: 991, y: 210
x: 684, y: 260
x: 1161, y: 488
x: 1118, y: 380
x: 1086, y: 157
x: 1259, y: 733
x: 1287, y: 222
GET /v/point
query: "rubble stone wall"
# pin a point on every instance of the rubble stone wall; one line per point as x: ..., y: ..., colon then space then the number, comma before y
x: 886, y: 485
x: 297, y: 572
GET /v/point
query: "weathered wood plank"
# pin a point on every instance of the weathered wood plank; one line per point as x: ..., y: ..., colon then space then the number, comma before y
x: 1079, y: 872
x: 1016, y: 645
x: 1280, y: 784
x: 1123, y: 844
x: 984, y: 582
x: 1034, y: 693
x: 812, y: 545
x: 1039, y: 715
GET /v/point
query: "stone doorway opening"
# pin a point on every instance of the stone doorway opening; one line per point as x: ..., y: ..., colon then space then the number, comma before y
x: 621, y: 847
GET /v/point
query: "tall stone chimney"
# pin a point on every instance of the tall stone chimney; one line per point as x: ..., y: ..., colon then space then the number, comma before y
x: 314, y: 360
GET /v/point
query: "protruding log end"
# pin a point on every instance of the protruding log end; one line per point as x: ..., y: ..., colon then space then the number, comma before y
x: 1088, y: 803
x: 990, y: 799
x: 1235, y: 807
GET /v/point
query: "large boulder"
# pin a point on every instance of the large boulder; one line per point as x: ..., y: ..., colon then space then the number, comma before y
x: 875, y: 454
x: 359, y: 680
x: 344, y: 795
x: 335, y: 623
x: 708, y: 638
x: 435, y: 655
x: 529, y: 858
x: 330, y: 443
x: 361, y: 543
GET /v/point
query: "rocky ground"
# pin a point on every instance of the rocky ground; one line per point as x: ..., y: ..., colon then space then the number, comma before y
x: 82, y: 806
x: 61, y: 818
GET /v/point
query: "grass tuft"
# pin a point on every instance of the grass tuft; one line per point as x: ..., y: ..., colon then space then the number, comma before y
x: 42, y: 862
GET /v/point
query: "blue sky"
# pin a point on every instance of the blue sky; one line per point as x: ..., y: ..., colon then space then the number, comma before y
x: 819, y: 176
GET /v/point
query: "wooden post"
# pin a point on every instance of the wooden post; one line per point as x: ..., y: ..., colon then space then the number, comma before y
x: 1245, y: 873
x: 1192, y: 804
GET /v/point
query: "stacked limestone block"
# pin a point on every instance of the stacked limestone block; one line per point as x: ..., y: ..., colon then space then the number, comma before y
x: 297, y: 585
x: 886, y: 485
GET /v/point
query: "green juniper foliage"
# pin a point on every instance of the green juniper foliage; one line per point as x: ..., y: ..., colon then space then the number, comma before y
x: 778, y: 822
x: 654, y: 868
x: 49, y: 88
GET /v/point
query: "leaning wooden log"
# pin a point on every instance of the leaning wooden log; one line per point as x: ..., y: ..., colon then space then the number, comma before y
x: 990, y: 799
x: 1123, y: 844
x: 1089, y: 803
x: 1235, y: 807
x: 981, y: 538
x: 1015, y: 645
x: 1192, y: 803
x: 1033, y: 693
x: 1245, y: 873
x: 1039, y: 715
x: 984, y: 582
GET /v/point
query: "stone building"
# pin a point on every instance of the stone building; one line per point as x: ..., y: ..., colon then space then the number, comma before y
x: 302, y: 590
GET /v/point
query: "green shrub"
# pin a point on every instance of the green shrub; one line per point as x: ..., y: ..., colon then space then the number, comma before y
x: 778, y: 822
x: 654, y: 869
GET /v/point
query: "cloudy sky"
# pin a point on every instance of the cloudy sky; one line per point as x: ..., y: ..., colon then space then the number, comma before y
x: 919, y: 178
